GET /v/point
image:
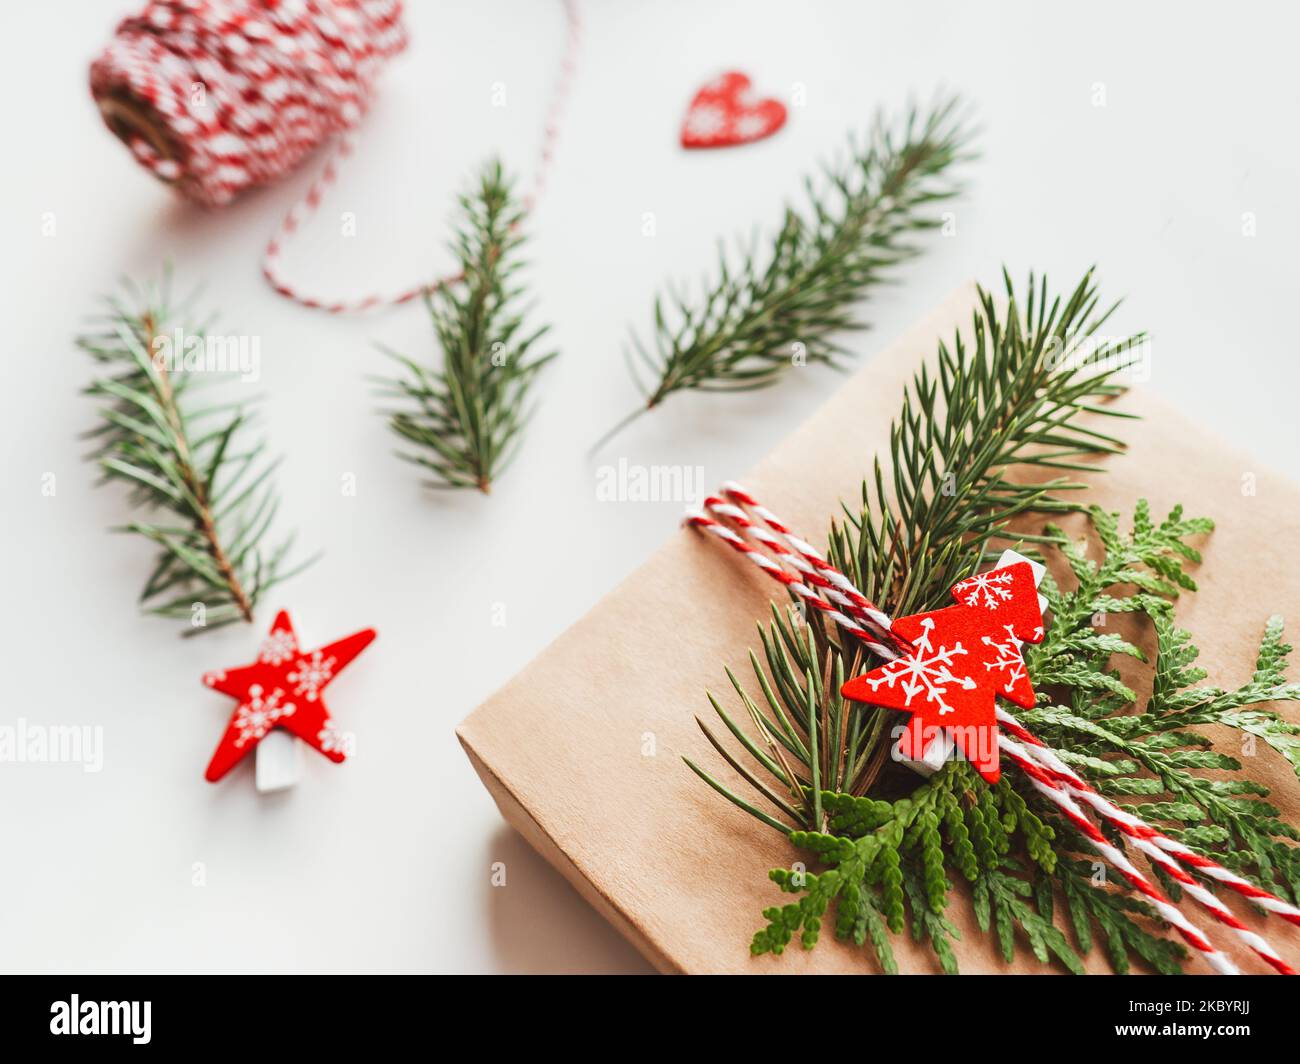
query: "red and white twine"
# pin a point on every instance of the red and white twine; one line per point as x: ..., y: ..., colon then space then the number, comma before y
x: 823, y: 587
x: 238, y: 92
x: 219, y: 96
x: 307, y: 206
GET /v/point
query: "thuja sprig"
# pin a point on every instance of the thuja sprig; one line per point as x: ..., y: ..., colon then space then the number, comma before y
x: 1152, y: 752
x: 465, y: 415
x: 887, y: 848
x: 187, y: 461
x: 888, y: 861
x: 779, y: 303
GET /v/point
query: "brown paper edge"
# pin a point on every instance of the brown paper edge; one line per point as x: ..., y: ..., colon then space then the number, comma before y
x: 535, y: 835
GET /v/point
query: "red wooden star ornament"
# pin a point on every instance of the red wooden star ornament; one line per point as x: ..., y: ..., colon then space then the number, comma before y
x: 282, y: 689
x: 963, y: 657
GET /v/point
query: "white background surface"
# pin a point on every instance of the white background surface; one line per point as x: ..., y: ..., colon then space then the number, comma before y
x: 383, y: 863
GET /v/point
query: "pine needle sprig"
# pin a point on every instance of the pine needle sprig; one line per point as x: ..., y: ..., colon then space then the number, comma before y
x: 1013, y: 393
x: 768, y: 308
x: 466, y: 415
x: 187, y: 461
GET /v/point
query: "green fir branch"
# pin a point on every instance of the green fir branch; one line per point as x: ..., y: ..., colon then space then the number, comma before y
x: 769, y: 307
x: 465, y: 416
x: 1011, y: 394
x: 1014, y: 392
x: 187, y: 462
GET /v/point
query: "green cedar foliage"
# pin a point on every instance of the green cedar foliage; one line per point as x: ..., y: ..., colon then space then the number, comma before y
x: 888, y: 849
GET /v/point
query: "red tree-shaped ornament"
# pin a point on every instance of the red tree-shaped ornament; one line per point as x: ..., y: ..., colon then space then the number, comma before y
x: 963, y: 657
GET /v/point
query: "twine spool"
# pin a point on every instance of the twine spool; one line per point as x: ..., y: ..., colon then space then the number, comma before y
x: 218, y: 96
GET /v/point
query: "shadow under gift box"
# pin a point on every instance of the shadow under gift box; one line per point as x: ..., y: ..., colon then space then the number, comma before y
x: 678, y: 869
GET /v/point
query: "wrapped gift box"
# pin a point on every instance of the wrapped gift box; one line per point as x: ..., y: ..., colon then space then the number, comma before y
x: 582, y: 751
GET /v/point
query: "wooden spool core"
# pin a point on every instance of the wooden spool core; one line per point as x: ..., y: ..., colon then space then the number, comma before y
x: 128, y: 118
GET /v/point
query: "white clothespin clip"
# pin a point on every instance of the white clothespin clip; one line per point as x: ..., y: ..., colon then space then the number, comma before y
x: 279, y: 761
x: 941, y: 746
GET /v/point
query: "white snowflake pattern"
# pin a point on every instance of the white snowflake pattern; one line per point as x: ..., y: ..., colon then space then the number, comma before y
x: 705, y: 121
x: 751, y: 125
x: 311, y: 674
x: 1008, y: 661
x: 986, y: 590
x: 259, y: 715
x: 332, y: 739
x: 928, y: 671
x: 279, y: 646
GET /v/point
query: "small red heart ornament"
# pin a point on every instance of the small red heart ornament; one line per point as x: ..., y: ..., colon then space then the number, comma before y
x: 727, y: 111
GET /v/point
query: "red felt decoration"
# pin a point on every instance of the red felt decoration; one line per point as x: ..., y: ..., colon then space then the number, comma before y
x: 727, y: 111
x: 282, y: 689
x: 963, y: 657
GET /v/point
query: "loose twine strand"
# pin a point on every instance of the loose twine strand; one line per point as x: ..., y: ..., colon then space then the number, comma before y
x: 752, y: 530
x: 218, y: 96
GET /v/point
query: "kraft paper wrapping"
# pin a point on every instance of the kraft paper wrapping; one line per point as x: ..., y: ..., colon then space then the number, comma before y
x: 680, y: 871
